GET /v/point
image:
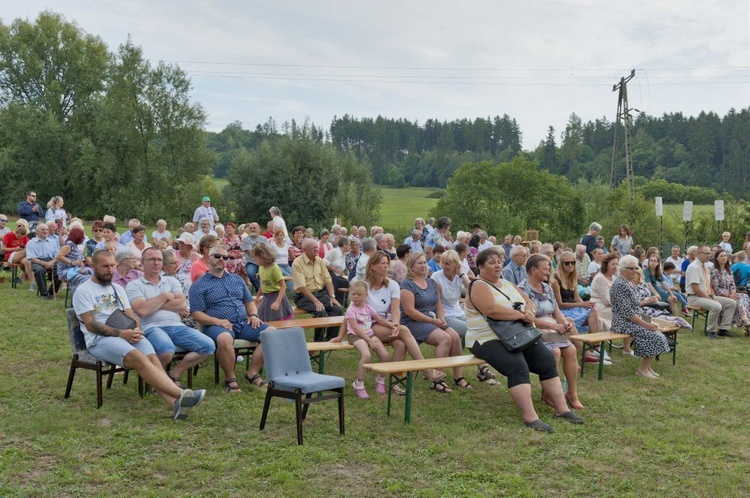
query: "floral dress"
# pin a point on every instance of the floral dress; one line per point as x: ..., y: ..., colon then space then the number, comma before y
x: 235, y: 264
x: 722, y: 282
x: 625, y: 303
x: 644, y: 293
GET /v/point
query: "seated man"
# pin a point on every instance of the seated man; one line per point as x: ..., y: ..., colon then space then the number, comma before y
x: 160, y: 302
x: 369, y: 247
x: 221, y: 303
x: 94, y: 302
x: 204, y: 229
x: 415, y: 241
x: 41, y: 252
x: 701, y: 295
x: 515, y: 272
x: 313, y: 288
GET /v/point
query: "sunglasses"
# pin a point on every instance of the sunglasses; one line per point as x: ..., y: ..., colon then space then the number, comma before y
x: 3, y: 221
x: 220, y: 256
x: 569, y: 263
x: 98, y: 230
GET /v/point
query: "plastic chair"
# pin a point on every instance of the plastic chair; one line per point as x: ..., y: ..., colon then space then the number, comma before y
x: 81, y: 358
x: 290, y: 376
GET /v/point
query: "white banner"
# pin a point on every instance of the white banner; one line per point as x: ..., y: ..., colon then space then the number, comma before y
x: 659, y: 210
x: 687, y: 211
x: 719, y: 210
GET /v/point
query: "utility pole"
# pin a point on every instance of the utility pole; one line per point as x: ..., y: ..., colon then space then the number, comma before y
x: 623, y: 113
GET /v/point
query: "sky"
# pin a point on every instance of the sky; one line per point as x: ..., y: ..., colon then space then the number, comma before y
x: 538, y: 61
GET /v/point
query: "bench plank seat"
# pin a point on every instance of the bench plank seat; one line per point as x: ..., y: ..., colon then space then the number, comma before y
x: 591, y: 341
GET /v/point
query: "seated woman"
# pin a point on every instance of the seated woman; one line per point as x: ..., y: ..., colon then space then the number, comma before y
x: 654, y: 278
x: 556, y: 329
x: 565, y: 286
x: 626, y: 317
x: 233, y: 243
x: 161, y: 233
x: 352, y: 257
x: 651, y: 304
x: 138, y: 244
x: 199, y: 266
x: 433, y: 264
x: 600, y: 286
x: 281, y: 248
x: 668, y: 279
x: 424, y: 316
x: 722, y: 283
x: 398, y: 265
x: 71, y: 267
x: 452, y: 281
x: 492, y: 296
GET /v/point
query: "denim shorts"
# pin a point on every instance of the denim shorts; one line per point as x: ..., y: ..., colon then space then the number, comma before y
x: 114, y: 349
x: 246, y: 333
x: 167, y: 339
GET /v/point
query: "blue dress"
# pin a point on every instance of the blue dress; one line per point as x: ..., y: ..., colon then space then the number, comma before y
x: 425, y: 301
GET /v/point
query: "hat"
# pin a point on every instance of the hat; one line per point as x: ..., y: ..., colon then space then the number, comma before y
x: 186, y: 238
x: 206, y: 199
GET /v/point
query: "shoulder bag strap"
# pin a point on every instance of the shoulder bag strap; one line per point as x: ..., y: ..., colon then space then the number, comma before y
x: 491, y: 285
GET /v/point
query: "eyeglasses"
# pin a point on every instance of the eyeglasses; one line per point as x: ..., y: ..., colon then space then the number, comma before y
x: 220, y: 256
x: 631, y: 268
x: 569, y: 263
x: 704, y: 252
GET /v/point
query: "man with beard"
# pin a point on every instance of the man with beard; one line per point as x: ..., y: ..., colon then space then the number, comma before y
x: 94, y: 302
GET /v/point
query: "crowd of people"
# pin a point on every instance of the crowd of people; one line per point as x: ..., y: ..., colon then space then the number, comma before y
x: 210, y: 283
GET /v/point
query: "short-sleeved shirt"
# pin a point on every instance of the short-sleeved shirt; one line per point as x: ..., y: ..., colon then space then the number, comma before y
x: 124, y: 280
x: 364, y: 317
x: 381, y: 299
x: 143, y: 289
x: 695, y: 274
x: 92, y: 296
x: 361, y: 266
x: 742, y: 270
x: 10, y: 241
x: 161, y: 235
x: 622, y: 246
x: 450, y: 293
x: 42, y: 249
x: 221, y: 297
x: 248, y: 243
x: 269, y: 278
x: 435, y: 239
x: 336, y: 259
x: 312, y: 274
x: 198, y: 269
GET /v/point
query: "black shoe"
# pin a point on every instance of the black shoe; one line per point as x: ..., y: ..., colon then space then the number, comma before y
x: 726, y: 333
x: 47, y: 297
x: 712, y: 335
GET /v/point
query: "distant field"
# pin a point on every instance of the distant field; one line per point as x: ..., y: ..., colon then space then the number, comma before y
x: 402, y: 205
x: 674, y: 211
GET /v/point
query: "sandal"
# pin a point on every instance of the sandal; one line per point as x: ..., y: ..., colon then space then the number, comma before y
x: 461, y: 382
x: 486, y: 376
x: 398, y: 390
x: 231, y: 386
x: 441, y: 387
x: 256, y: 380
x: 577, y: 405
x: 434, y: 375
x: 176, y: 381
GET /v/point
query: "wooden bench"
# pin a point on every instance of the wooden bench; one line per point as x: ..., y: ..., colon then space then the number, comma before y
x: 699, y: 312
x: 397, y: 369
x: 323, y: 350
x: 308, y: 323
x: 14, y: 267
x: 670, y: 330
x: 592, y: 341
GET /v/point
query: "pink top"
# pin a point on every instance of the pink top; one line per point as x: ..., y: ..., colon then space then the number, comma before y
x: 364, y: 316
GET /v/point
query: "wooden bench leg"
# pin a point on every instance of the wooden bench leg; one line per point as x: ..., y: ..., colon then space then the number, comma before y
x: 409, y: 389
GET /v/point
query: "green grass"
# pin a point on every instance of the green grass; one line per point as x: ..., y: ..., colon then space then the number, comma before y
x: 683, y: 435
x: 401, y: 206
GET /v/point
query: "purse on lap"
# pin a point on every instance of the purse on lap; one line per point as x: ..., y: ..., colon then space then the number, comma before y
x: 516, y: 335
x: 118, y: 319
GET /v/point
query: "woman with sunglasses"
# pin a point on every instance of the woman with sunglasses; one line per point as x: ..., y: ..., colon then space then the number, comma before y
x: 565, y: 286
x: 626, y: 317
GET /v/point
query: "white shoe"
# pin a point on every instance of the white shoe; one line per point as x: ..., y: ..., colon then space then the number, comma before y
x: 628, y: 353
x: 32, y: 288
x: 645, y: 375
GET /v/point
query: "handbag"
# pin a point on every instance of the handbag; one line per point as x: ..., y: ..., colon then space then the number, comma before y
x: 516, y: 335
x: 118, y: 319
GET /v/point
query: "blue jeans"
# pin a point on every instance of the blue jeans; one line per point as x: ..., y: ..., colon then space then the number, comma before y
x: 252, y: 273
x: 164, y: 339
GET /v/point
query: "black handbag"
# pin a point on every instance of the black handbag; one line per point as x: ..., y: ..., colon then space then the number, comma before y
x: 118, y: 319
x: 516, y: 335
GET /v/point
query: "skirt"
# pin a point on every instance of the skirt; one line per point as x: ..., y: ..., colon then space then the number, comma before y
x: 579, y: 315
x: 265, y: 312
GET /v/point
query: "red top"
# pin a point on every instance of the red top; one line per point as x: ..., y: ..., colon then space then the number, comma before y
x: 11, y: 243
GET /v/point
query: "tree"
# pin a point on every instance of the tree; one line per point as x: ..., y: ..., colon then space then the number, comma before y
x: 310, y: 182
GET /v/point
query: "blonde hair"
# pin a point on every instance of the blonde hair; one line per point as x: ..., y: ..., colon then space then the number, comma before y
x: 358, y: 285
x: 413, y: 257
x: 108, y: 218
x: 264, y: 252
x: 451, y: 257
x: 569, y: 281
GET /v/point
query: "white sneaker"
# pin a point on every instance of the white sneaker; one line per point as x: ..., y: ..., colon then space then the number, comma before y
x: 32, y: 288
x: 628, y: 353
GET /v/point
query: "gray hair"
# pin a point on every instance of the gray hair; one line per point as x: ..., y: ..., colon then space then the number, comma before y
x: 595, y: 226
x: 626, y: 261
x: 124, y: 252
x: 692, y: 250
x: 369, y: 244
x: 517, y: 250
x: 379, y: 237
x: 416, y: 231
x: 499, y: 249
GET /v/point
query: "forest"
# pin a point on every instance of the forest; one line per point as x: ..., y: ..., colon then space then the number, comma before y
x: 707, y: 150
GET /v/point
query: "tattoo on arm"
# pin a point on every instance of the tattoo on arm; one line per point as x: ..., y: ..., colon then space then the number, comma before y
x: 102, y: 329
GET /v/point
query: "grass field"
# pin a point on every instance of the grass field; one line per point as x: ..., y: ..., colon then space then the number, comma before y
x: 683, y: 435
x: 401, y: 206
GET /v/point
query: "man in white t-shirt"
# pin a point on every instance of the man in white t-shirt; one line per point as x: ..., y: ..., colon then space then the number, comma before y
x: 206, y: 210
x: 94, y: 302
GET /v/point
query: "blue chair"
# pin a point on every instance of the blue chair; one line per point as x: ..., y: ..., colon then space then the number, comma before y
x: 290, y: 376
